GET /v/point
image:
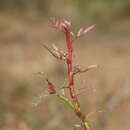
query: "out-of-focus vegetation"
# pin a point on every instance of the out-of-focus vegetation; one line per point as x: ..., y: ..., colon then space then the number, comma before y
x: 24, y: 27
x: 106, y: 13
x: 98, y: 10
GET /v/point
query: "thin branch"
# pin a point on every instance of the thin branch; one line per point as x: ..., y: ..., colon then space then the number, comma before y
x: 78, y: 70
x: 67, y: 100
x: 56, y: 54
x: 64, y: 87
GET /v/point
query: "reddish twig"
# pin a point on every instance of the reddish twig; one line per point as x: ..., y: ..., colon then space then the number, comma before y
x: 64, y: 26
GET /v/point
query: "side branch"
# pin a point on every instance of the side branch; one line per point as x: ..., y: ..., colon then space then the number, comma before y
x: 78, y: 70
x: 67, y: 100
x: 56, y: 53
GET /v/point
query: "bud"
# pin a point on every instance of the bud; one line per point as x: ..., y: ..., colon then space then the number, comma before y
x: 62, y: 25
x: 66, y: 24
x: 51, y: 87
x: 82, y: 31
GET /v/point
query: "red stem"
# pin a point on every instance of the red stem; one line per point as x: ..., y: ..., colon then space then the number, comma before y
x: 70, y: 71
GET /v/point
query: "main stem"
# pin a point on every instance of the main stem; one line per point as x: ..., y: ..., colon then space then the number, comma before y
x: 73, y: 95
x: 70, y: 71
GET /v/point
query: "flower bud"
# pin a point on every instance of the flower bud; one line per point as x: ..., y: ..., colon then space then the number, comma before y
x: 51, y: 87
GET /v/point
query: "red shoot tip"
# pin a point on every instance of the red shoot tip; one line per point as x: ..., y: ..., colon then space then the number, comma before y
x: 62, y: 25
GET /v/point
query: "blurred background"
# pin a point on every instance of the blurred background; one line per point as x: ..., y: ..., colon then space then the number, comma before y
x: 24, y: 27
